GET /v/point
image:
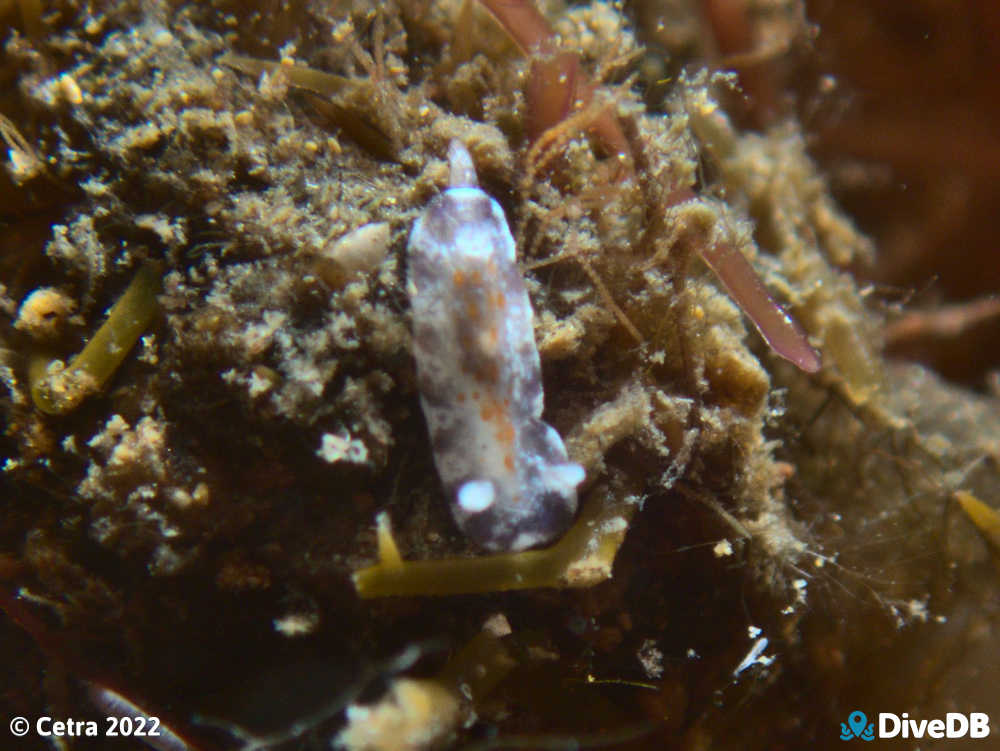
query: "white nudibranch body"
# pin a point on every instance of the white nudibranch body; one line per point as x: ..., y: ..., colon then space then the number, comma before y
x: 511, y: 483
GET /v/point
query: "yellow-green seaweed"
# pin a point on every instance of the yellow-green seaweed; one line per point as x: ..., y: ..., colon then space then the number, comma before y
x: 352, y: 104
x: 986, y: 518
x: 300, y: 76
x: 57, y: 389
x: 476, y: 669
x: 582, y: 558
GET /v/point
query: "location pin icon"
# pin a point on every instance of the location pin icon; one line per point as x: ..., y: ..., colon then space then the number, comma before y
x: 857, y: 721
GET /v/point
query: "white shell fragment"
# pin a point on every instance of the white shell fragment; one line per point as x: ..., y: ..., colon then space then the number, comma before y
x: 356, y: 253
x: 512, y: 484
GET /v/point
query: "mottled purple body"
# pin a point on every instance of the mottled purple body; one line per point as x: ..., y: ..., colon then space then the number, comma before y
x: 511, y: 482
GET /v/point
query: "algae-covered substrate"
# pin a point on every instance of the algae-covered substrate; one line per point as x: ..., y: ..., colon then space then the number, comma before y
x: 215, y: 466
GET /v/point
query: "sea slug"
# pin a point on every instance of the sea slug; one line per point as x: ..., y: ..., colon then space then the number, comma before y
x: 511, y: 483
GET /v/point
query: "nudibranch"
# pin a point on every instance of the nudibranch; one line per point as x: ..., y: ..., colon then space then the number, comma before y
x: 511, y: 482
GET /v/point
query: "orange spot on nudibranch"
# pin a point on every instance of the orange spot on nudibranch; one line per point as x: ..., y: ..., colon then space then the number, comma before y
x: 508, y: 462
x: 505, y: 434
x: 486, y: 373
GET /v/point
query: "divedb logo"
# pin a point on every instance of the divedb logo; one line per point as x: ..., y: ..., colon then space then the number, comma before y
x: 954, y: 725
